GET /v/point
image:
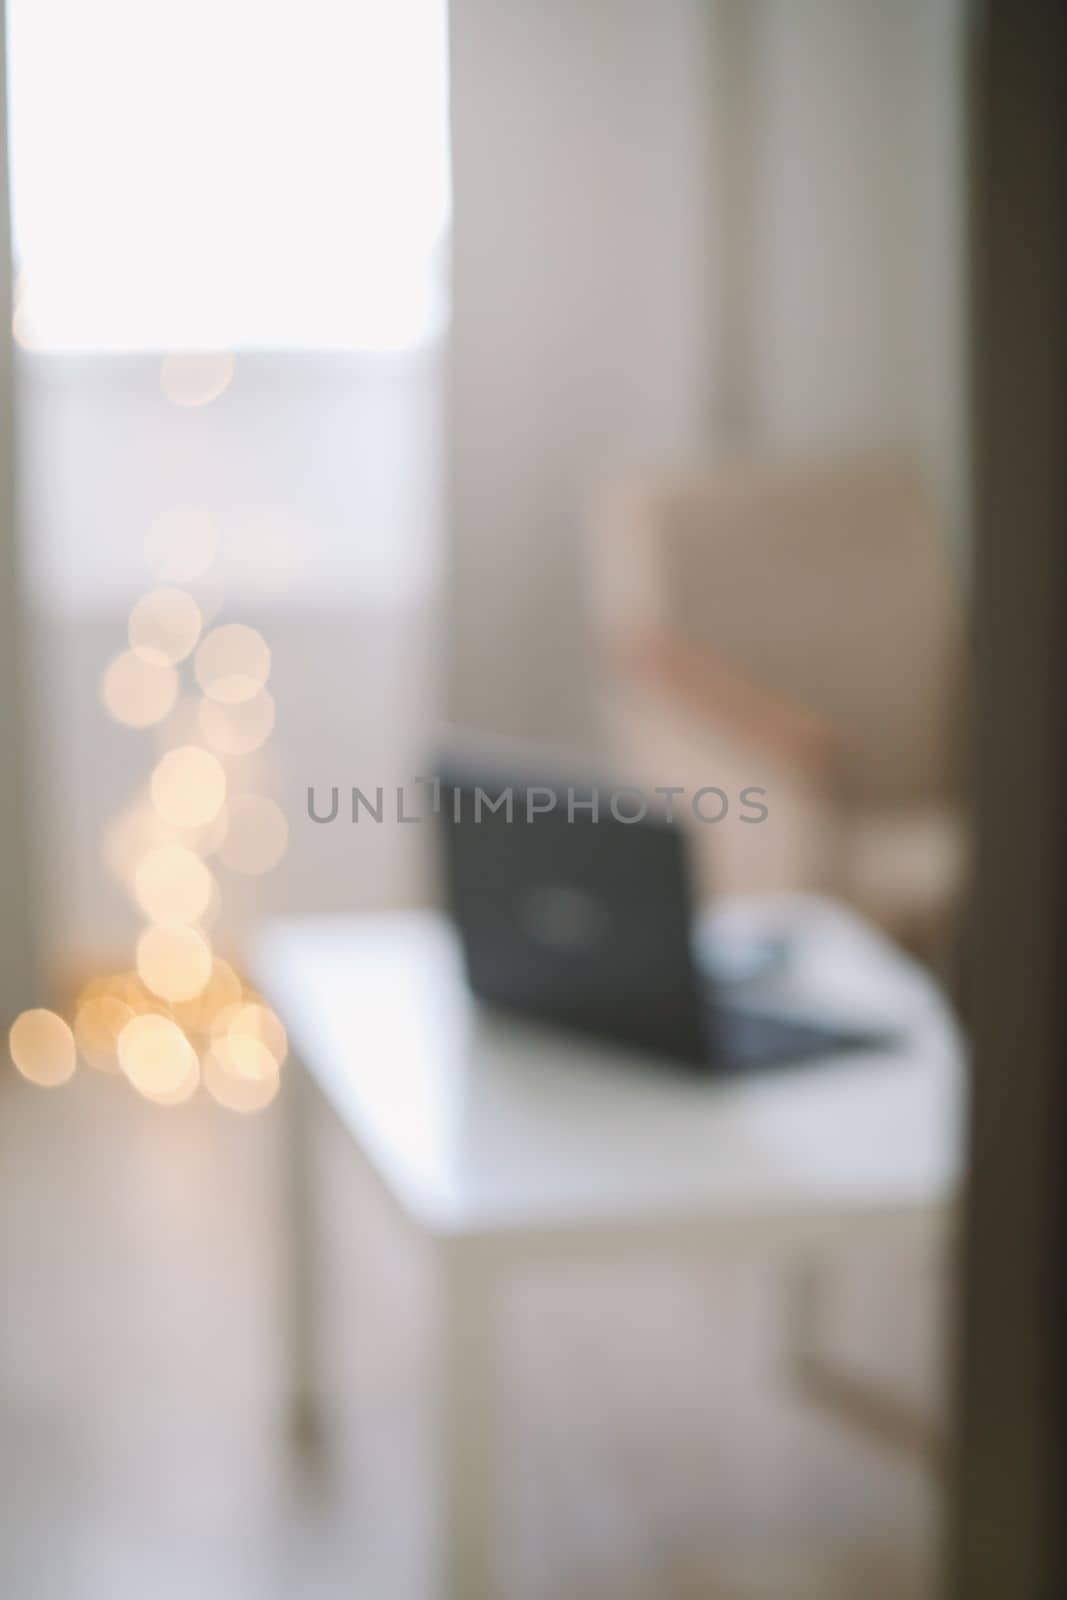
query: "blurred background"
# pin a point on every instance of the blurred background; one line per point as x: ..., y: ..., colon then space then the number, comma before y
x: 594, y: 374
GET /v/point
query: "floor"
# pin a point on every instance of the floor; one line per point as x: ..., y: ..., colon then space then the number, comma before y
x: 654, y: 1446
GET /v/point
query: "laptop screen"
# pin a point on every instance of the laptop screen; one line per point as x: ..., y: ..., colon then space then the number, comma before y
x: 569, y: 911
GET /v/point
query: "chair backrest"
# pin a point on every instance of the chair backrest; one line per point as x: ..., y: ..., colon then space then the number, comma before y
x: 833, y: 585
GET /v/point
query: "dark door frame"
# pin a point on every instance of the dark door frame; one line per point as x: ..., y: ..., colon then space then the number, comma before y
x: 1009, y: 1501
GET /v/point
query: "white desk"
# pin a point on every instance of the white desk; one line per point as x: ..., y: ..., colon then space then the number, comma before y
x: 499, y: 1140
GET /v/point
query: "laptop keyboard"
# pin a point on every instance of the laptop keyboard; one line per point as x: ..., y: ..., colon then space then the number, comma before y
x: 743, y: 1038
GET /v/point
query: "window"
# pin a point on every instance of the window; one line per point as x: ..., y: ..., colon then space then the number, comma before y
x: 242, y: 174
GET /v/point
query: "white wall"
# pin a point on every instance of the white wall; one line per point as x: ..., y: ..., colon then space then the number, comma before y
x: 853, y: 294
x: 682, y: 229
x: 582, y: 266
x: 17, y: 968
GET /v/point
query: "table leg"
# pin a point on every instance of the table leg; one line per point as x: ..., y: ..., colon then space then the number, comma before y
x: 464, y: 1425
x: 300, y: 1285
x: 854, y: 1400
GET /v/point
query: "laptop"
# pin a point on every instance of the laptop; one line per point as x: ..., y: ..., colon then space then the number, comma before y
x: 586, y: 923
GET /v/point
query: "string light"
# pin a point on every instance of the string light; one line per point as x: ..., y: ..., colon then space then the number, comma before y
x: 196, y: 380
x: 250, y: 1039
x: 24, y: 329
x: 156, y: 1056
x: 233, y: 1089
x: 181, y: 1017
x: 188, y: 786
x: 164, y: 626
x: 232, y: 663
x: 174, y: 963
x: 42, y: 1048
x: 98, y: 1022
x: 182, y: 1091
x: 222, y: 990
x: 129, y: 836
x: 172, y: 885
x: 136, y: 692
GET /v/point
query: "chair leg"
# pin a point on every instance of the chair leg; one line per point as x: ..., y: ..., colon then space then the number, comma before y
x: 858, y: 1402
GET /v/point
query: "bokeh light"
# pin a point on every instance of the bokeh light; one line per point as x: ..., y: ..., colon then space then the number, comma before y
x: 128, y: 837
x: 174, y: 963
x: 172, y: 885
x: 196, y: 380
x: 42, y: 1048
x: 242, y: 1055
x: 164, y: 626
x: 140, y: 828
x: 257, y: 836
x: 136, y: 692
x: 181, y: 544
x: 188, y: 787
x: 250, y: 1039
x: 183, y: 1091
x: 182, y: 1016
x: 98, y: 1021
x: 206, y: 839
x: 222, y: 990
x: 232, y: 663
x: 156, y: 1056
x: 237, y: 730
x: 24, y: 328
x: 138, y: 996
x: 235, y: 1090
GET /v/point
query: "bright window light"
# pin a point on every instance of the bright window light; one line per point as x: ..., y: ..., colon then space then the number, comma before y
x: 228, y: 174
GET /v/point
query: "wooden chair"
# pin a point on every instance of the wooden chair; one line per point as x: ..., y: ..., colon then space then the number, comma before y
x: 797, y: 627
